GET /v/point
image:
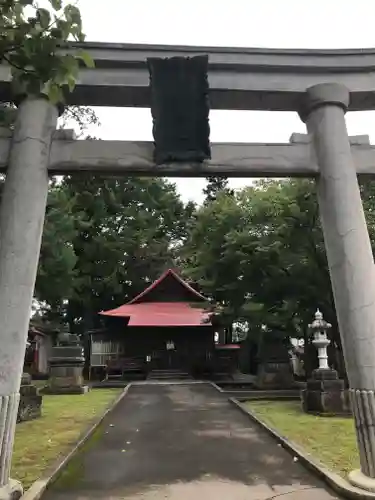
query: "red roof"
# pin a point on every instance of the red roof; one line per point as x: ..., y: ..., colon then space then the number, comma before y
x: 163, y: 313
x: 172, y: 274
x: 228, y: 346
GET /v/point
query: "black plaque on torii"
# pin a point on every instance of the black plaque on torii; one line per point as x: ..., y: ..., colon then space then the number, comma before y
x: 180, y: 109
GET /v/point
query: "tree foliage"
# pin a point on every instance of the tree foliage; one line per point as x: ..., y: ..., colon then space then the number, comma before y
x: 121, y: 233
x: 57, y: 261
x: 79, y: 118
x: 261, y: 254
x: 216, y: 185
x: 32, y: 43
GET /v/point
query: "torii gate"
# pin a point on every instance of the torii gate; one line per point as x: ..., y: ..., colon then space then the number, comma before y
x: 320, y: 85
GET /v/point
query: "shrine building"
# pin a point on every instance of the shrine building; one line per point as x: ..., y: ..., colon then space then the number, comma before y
x: 166, y: 328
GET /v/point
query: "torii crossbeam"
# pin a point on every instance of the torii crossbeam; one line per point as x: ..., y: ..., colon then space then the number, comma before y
x: 69, y: 156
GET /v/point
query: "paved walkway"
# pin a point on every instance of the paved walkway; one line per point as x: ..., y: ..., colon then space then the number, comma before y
x: 186, y: 442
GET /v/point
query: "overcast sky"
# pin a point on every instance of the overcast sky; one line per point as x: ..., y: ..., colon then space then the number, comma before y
x: 234, y: 23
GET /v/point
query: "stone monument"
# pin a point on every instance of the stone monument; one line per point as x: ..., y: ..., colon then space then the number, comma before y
x: 66, y: 366
x: 325, y: 393
x: 30, y: 405
x: 275, y: 371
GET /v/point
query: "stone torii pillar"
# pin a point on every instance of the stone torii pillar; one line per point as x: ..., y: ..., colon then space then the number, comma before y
x: 350, y: 260
x: 22, y: 213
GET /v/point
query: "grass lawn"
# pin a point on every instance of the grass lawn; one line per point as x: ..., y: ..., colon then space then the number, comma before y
x: 39, y: 443
x: 329, y: 439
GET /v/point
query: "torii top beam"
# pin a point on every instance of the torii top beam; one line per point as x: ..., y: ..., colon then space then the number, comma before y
x: 239, y: 78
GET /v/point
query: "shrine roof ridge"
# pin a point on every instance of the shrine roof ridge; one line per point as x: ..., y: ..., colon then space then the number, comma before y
x: 168, y: 272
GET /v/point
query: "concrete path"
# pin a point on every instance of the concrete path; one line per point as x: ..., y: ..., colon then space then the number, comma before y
x: 186, y: 442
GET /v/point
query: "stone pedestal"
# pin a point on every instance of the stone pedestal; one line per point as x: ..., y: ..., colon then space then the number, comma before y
x: 30, y: 406
x: 66, y: 366
x: 325, y: 394
x: 66, y: 379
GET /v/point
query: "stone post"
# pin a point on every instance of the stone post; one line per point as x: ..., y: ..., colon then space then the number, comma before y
x: 350, y: 259
x: 21, y: 225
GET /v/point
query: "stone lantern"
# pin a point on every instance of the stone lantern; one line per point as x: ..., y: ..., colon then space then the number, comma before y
x: 66, y: 366
x: 325, y: 394
x: 319, y: 328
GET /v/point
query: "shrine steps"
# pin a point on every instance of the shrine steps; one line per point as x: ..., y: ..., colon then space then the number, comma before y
x: 168, y: 375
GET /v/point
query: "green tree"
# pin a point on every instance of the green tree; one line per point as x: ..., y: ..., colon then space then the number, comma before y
x: 206, y: 259
x: 31, y: 43
x: 216, y: 185
x: 126, y: 232
x: 80, y: 118
x: 261, y: 255
x: 33, y: 40
x: 57, y: 260
x: 56, y: 270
